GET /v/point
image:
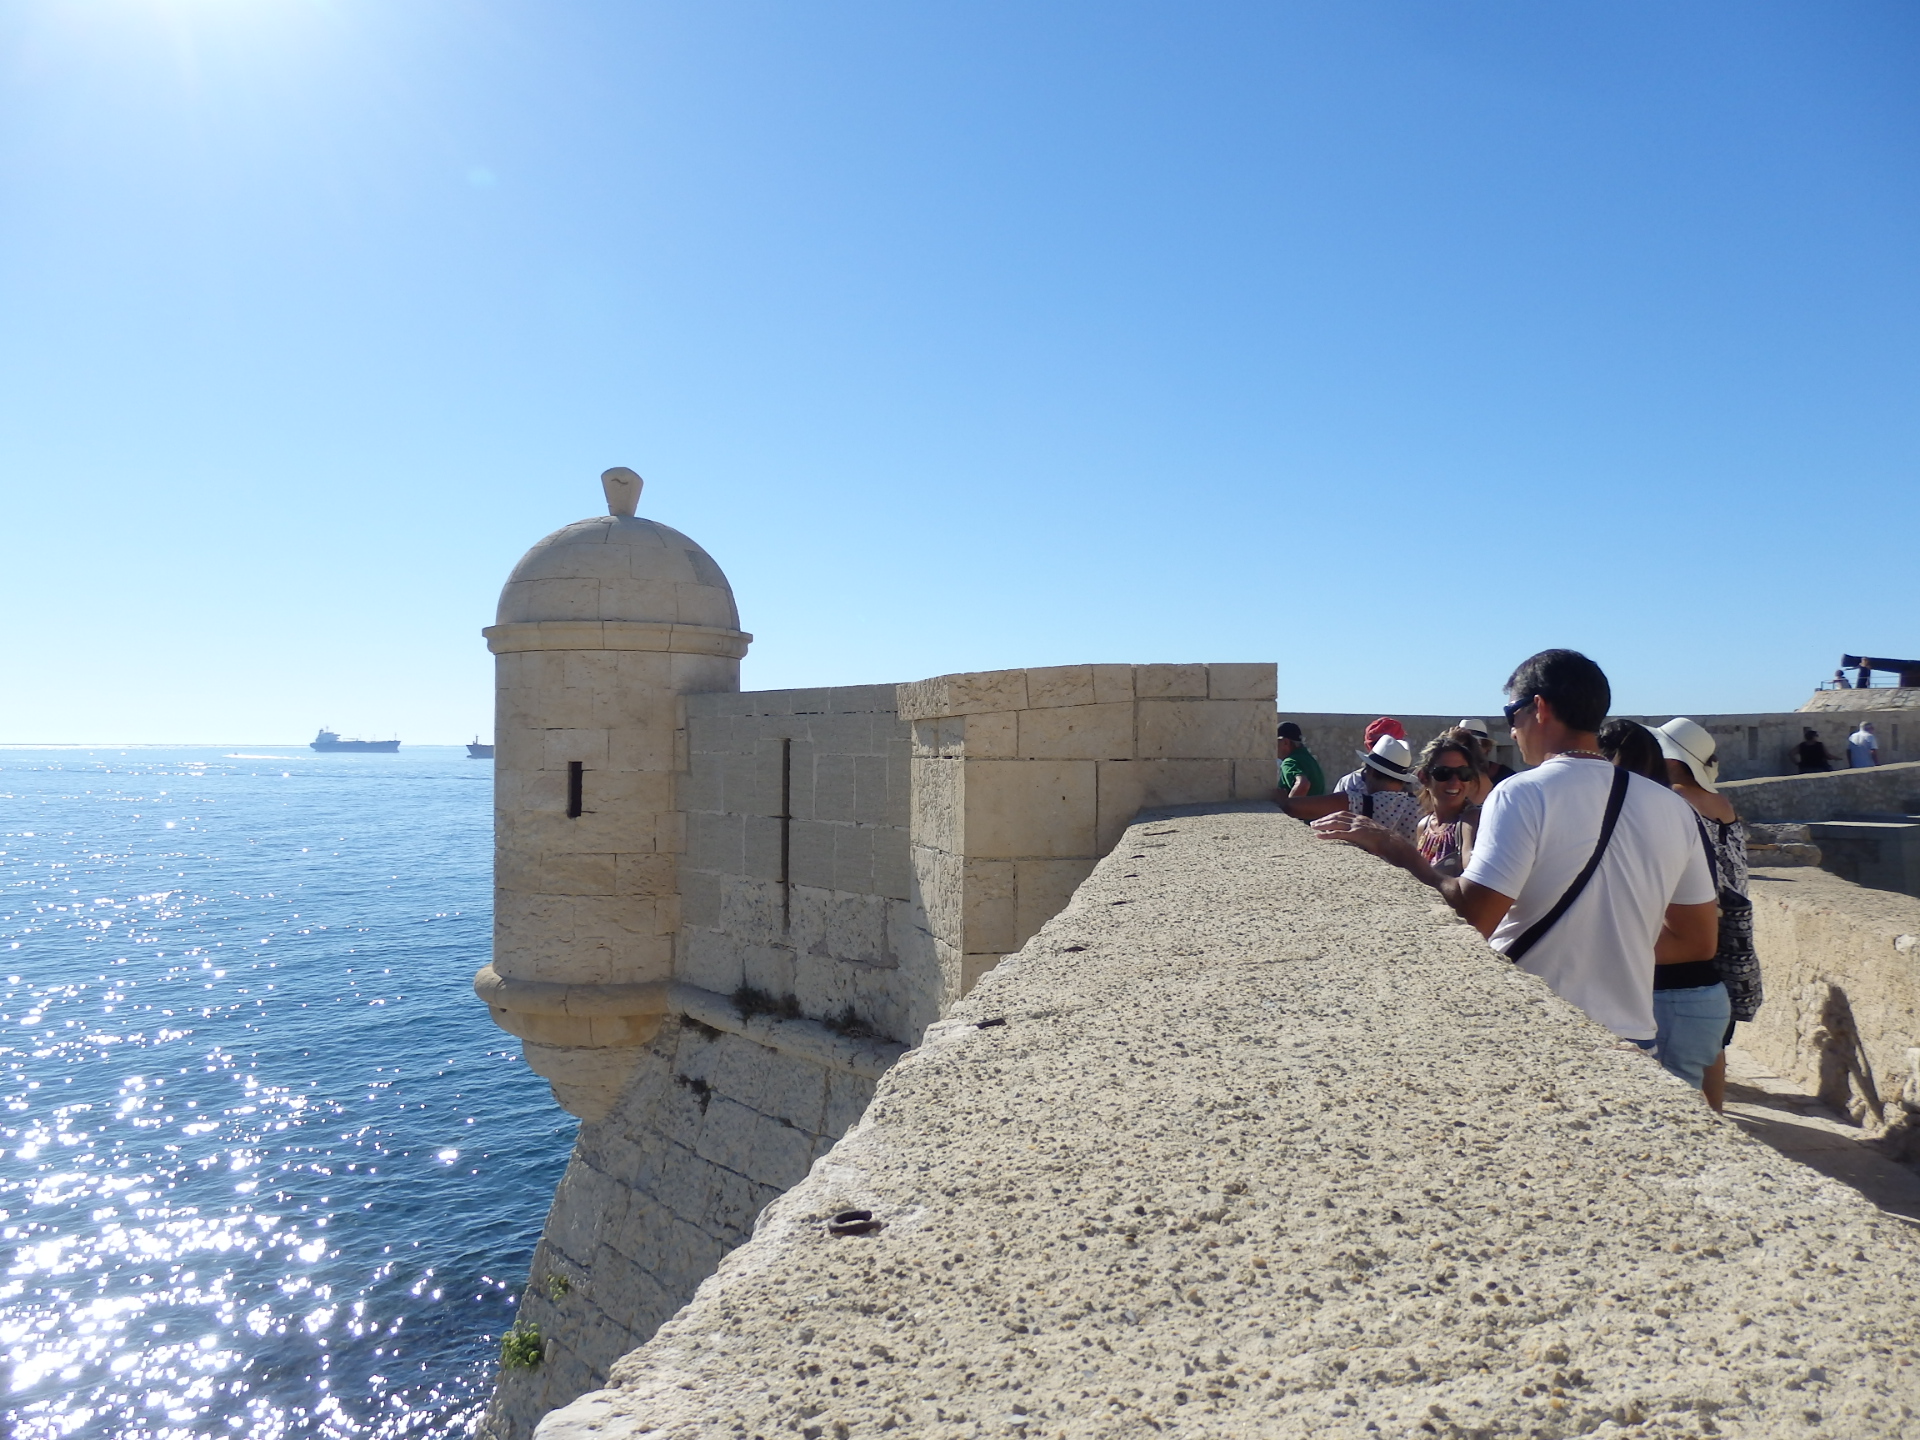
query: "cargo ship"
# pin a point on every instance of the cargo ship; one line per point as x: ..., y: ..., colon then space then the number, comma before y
x: 330, y: 743
x: 477, y: 751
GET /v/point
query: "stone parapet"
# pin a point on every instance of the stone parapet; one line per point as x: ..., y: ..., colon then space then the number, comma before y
x: 1247, y: 1140
x: 1023, y: 779
x: 1835, y: 795
x: 1841, y: 968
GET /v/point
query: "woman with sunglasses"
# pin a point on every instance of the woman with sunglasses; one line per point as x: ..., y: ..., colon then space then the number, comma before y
x: 1453, y: 782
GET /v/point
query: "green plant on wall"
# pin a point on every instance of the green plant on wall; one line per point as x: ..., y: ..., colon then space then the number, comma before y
x: 521, y: 1347
x: 557, y: 1285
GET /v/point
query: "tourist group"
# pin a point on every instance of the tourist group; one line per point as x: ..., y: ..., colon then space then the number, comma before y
x: 1613, y: 868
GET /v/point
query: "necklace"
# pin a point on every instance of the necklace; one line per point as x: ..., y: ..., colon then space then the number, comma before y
x: 1585, y: 754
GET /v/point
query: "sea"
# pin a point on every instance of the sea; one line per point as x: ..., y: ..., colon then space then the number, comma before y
x: 267, y: 1168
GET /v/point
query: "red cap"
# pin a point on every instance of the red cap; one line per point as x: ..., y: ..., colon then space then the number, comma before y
x: 1385, y: 725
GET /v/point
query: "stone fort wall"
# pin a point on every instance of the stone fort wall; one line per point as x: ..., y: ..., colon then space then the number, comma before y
x: 1249, y: 1140
x: 854, y: 861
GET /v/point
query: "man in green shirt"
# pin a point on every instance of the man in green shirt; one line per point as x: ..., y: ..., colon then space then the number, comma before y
x: 1299, y: 772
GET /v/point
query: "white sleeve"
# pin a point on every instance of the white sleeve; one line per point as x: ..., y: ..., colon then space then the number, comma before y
x: 1508, y: 840
x: 1696, y: 881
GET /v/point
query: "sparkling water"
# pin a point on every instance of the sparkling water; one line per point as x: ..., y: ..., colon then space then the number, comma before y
x: 266, y: 1168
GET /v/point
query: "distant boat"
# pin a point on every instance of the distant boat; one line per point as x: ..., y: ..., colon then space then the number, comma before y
x: 330, y: 743
x: 477, y: 751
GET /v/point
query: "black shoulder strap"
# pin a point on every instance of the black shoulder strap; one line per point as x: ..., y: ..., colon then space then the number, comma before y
x: 1366, y: 804
x: 1531, y: 936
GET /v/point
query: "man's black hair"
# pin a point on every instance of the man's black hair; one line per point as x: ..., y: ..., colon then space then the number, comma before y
x: 1572, y: 684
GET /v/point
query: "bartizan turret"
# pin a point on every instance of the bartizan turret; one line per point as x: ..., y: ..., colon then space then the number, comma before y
x: 602, y: 628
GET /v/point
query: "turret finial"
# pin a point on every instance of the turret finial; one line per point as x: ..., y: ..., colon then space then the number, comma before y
x: 623, y: 491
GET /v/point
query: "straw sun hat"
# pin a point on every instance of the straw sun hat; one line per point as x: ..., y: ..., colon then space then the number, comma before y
x: 1689, y: 743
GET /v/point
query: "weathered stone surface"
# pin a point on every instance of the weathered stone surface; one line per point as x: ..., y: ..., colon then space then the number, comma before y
x: 1838, y: 794
x: 1258, y: 1145
x: 1841, y: 971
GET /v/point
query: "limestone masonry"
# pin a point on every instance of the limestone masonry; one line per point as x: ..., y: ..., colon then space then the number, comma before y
x: 1243, y: 1139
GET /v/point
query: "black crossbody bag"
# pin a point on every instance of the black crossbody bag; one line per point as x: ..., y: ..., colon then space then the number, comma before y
x: 1531, y: 936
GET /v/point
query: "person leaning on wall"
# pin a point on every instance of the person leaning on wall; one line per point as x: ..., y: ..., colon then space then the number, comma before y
x: 1300, y: 773
x: 1693, y: 768
x: 1451, y: 776
x: 1582, y: 873
x: 1810, y: 756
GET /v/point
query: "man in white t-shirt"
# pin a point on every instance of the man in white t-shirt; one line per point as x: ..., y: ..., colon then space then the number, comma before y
x: 1863, y: 747
x: 1651, y: 899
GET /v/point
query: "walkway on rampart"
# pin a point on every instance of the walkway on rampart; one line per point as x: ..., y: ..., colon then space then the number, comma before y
x: 1248, y: 1141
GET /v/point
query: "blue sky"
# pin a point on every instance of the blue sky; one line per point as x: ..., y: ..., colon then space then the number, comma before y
x: 1390, y: 341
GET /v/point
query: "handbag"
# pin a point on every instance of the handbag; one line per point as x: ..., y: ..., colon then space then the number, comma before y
x: 1736, y: 961
x: 1530, y: 937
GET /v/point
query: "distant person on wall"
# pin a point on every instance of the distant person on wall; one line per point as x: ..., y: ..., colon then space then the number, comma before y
x: 1354, y: 782
x: 1494, y: 770
x: 1300, y: 773
x: 1810, y: 756
x: 1840, y: 680
x: 1863, y: 748
x: 1582, y: 872
x: 1692, y: 1024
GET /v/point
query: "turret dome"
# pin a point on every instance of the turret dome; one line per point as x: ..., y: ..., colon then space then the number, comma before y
x: 617, y: 567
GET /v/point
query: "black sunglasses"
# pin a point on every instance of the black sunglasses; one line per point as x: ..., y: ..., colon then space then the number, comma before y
x: 1516, y: 707
x: 1451, y: 772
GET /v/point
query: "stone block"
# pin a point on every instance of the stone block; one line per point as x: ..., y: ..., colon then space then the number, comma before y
x: 641, y: 746
x: 892, y: 866
x: 700, y: 892
x: 732, y: 1204
x: 753, y: 909
x: 852, y: 928
x: 872, y: 799
x: 1112, y: 683
x: 939, y: 891
x: 832, y: 786
x: 1174, y: 682
x: 989, y: 905
x: 1242, y: 682
x: 1077, y: 732
x: 1222, y: 729
x: 1042, y: 889
x: 853, y: 858
x: 710, y: 959
x: 1056, y: 685
x: 937, y: 790
x: 562, y: 747
x: 716, y: 842
x: 800, y: 798
x: 701, y: 787
x: 1185, y: 782
x: 777, y: 1086
x: 762, y: 837
x: 972, y: 967
x: 810, y: 853
x: 1254, y: 779
x: 992, y: 735
x: 564, y: 874
x: 1029, y: 808
x: 847, y: 1099
x: 946, y: 736
x: 963, y: 694
x: 650, y: 874
x: 1122, y: 790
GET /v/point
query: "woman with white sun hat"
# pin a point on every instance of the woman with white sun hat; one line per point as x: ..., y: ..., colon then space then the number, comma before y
x: 1684, y: 1005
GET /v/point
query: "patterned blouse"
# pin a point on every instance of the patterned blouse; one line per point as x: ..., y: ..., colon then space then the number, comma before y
x: 1729, y: 846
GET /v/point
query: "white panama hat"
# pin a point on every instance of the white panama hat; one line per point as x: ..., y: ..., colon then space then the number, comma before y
x: 1475, y: 727
x: 1688, y: 742
x: 1391, y: 756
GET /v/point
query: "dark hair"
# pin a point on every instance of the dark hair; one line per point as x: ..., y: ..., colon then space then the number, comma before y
x: 1572, y: 684
x: 1288, y: 731
x: 1631, y: 746
x: 1811, y: 734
